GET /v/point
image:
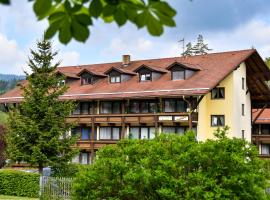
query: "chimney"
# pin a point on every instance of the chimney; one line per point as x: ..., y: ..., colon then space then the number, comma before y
x: 126, y: 60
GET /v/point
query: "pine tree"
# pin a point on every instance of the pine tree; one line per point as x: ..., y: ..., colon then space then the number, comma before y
x: 200, y: 48
x: 37, y: 128
x: 189, y: 50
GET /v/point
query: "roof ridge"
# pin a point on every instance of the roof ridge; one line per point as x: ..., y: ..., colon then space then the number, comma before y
x: 153, y: 59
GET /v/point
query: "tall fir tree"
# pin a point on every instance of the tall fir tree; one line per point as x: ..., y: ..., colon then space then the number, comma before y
x: 38, y: 133
x: 189, y: 50
x: 200, y: 48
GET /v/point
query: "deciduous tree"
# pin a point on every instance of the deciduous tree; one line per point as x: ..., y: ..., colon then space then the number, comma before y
x: 174, y: 167
x: 73, y: 18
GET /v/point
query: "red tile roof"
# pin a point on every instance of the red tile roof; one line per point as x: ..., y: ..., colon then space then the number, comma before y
x: 264, y: 117
x: 121, y: 70
x: 213, y: 68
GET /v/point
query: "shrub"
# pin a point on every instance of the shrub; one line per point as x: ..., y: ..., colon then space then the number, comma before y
x: 18, y: 183
x: 2, y: 145
x: 65, y: 169
x: 174, y: 167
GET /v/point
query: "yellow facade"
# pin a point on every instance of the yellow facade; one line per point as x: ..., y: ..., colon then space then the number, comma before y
x: 230, y: 107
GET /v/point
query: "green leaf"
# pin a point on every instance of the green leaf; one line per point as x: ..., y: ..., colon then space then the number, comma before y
x: 164, y: 7
x: 42, y: 7
x: 6, y: 2
x: 51, y: 31
x: 79, y: 32
x: 57, y: 16
x: 83, y: 19
x: 120, y: 17
x: 95, y: 8
x: 65, y: 33
x: 141, y: 19
x: 154, y: 26
x: 108, y: 10
x: 168, y: 21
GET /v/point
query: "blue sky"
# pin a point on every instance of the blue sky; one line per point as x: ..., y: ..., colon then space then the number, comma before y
x: 225, y: 24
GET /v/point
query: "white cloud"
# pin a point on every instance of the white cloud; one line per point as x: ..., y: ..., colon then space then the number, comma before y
x: 255, y: 33
x: 69, y: 58
x: 12, y: 59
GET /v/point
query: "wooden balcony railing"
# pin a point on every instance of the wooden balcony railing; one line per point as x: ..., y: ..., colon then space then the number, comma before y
x: 133, y: 118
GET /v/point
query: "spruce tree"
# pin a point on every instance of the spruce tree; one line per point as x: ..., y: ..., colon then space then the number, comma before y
x: 38, y: 133
x: 189, y: 50
x: 200, y: 48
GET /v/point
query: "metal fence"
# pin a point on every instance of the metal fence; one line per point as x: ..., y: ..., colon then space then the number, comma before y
x: 55, y: 188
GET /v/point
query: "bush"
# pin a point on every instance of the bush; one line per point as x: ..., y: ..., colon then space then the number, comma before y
x: 65, y: 170
x: 2, y: 145
x: 18, y: 183
x: 174, y: 167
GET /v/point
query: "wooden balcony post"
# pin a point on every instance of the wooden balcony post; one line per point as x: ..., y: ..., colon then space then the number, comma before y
x: 160, y: 105
x: 92, y: 139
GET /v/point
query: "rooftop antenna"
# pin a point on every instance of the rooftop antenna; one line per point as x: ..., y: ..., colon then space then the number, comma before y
x: 183, y: 44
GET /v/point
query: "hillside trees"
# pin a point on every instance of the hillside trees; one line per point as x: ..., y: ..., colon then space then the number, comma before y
x: 200, y: 48
x: 37, y: 129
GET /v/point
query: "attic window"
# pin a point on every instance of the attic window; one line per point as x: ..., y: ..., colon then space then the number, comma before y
x: 178, y: 75
x: 180, y: 72
x: 86, y: 79
x: 145, y: 76
x: 115, y: 77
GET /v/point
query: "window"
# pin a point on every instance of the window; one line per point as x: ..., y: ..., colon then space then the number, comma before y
x: 86, y: 80
x: 108, y: 107
x: 61, y: 82
x: 146, y: 106
x: 218, y: 93
x: 243, y: 134
x: 76, y: 131
x: 109, y: 133
x: 115, y: 79
x: 84, y: 158
x: 217, y: 120
x: 173, y: 129
x: 142, y: 132
x: 265, y: 129
x: 243, y: 109
x: 145, y: 76
x: 83, y: 108
x: 265, y: 149
x: 178, y: 75
x: 86, y: 133
x: 243, y: 83
x: 175, y: 105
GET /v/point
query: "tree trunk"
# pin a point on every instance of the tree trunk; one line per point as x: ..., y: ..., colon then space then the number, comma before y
x: 40, y: 169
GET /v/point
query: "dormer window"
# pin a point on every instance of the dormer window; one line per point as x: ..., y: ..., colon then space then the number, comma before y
x: 181, y: 72
x: 146, y: 76
x: 89, y: 77
x: 86, y: 79
x: 119, y: 74
x: 178, y: 74
x: 149, y: 73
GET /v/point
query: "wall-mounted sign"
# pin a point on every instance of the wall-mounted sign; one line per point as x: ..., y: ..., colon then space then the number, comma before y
x: 165, y: 118
x: 181, y: 118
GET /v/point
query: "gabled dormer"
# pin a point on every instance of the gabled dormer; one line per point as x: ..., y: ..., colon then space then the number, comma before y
x: 68, y: 77
x: 149, y: 73
x: 181, y: 71
x: 89, y: 77
x: 118, y: 75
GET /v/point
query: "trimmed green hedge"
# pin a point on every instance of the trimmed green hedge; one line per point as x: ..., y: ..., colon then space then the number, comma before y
x: 18, y: 183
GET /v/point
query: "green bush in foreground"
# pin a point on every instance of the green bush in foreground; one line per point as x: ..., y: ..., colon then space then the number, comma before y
x: 174, y: 167
x: 18, y: 183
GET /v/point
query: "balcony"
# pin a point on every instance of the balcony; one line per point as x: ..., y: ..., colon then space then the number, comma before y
x: 133, y: 118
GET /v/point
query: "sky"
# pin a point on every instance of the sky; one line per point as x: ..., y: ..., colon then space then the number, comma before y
x: 225, y: 24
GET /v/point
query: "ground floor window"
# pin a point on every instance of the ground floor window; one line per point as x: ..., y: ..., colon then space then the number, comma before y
x: 142, y: 132
x: 109, y: 133
x: 173, y: 129
x: 265, y: 149
x: 82, y: 158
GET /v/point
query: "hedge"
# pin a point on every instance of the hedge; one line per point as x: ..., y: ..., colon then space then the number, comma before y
x: 18, y: 183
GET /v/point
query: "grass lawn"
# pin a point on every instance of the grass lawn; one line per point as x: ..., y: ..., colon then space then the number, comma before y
x: 15, y: 198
